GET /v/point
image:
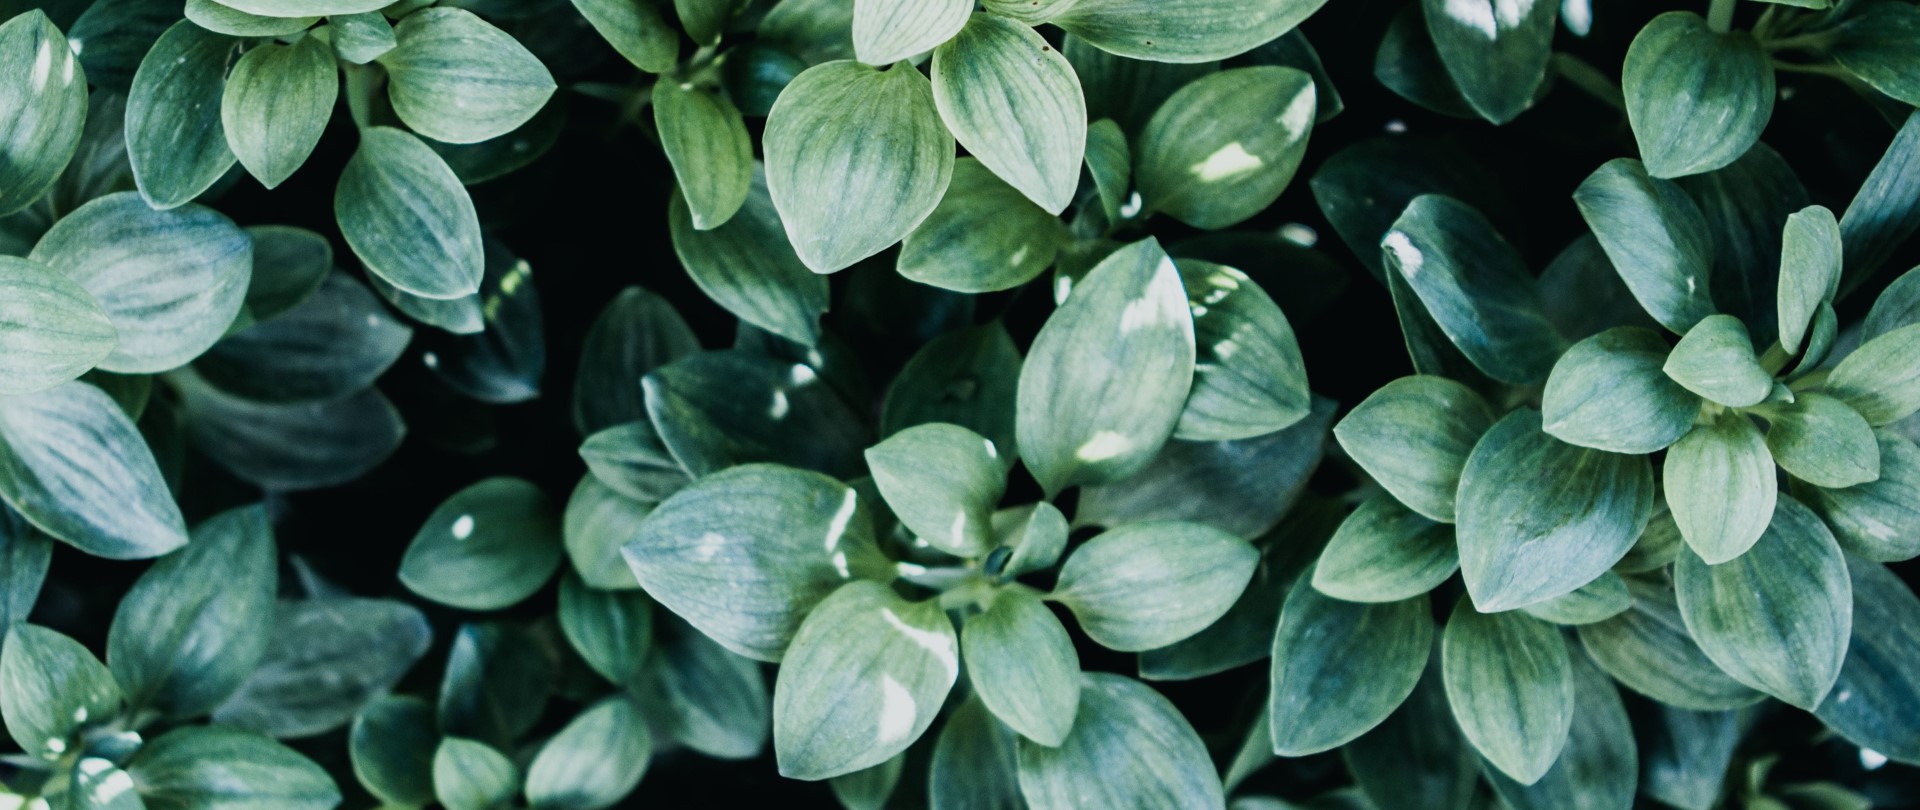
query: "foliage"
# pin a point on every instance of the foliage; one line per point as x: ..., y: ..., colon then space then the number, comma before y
x: 980, y: 418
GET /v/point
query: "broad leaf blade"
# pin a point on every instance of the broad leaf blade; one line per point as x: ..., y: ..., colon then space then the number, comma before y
x: 1012, y: 101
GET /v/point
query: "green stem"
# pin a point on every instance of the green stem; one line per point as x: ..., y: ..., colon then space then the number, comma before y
x: 1589, y: 78
x: 1775, y: 358
x: 1815, y: 41
x: 362, y: 82
x: 1720, y: 16
x: 1833, y: 70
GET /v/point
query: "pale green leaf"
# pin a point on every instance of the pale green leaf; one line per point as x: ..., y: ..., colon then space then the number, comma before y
x: 746, y: 266
x: 1249, y: 379
x: 1222, y: 148
x: 706, y: 142
x: 887, y: 31
x: 1189, y: 31
x: 1810, y: 261
x: 1510, y: 683
x: 174, y: 136
x: 1647, y: 649
x: 1686, y: 754
x: 1596, y: 601
x: 637, y: 30
x: 1778, y: 618
x: 1340, y: 668
x: 1539, y: 517
x: 1147, y: 585
x: 1496, y: 50
x: 631, y: 460
x: 1697, y: 98
x: 25, y: 554
x: 1600, y: 767
x: 943, y: 481
x: 53, y: 688
x: 1014, y: 103
x: 1108, y: 375
x: 497, y: 682
x: 703, y: 19
x: 869, y: 788
x: 1023, y: 665
x: 1130, y: 749
x: 1385, y: 552
x: 407, y: 217
x: 73, y: 465
x: 1720, y: 488
x: 470, y: 775
x: 1823, y: 441
x: 44, y: 107
x: 1414, y: 436
x: 170, y: 281
x: 1608, y: 393
x: 856, y: 159
x: 597, y: 521
x: 1715, y: 359
x: 276, y: 105
x: 360, y: 38
x: 983, y: 237
x: 867, y: 673
x: 1110, y: 161
x: 1878, y: 520
x: 595, y: 761
x: 306, y: 8
x: 745, y: 553
x: 974, y: 765
x: 455, y: 78
x: 51, y: 328
x: 1881, y: 379
x: 1036, y: 533
x: 1656, y: 237
x: 214, y: 767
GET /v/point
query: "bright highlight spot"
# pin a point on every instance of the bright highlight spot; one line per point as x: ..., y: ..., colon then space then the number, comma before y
x: 1104, y: 445
x: 1404, y: 253
x: 842, y: 517
x: 463, y: 527
x: 1872, y: 760
x: 709, y: 546
x: 1299, y: 234
x: 1226, y: 162
x: 940, y: 645
x: 42, y: 65
x: 896, y: 711
x: 780, y: 406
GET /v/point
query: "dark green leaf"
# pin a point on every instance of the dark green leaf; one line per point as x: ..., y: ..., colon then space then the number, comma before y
x: 290, y: 446
x: 496, y: 684
x: 631, y: 460
x: 718, y: 409
x: 1878, y: 520
x: 709, y: 699
x: 289, y: 265
x: 333, y: 344
x: 175, y: 140
x: 1416, y: 759
x: 1655, y: 236
x: 44, y: 107
x: 1511, y: 686
x: 1475, y: 287
x: 1539, y: 518
x: 24, y: 556
x: 1600, y: 767
x: 1249, y: 379
x: 968, y: 377
x: 1414, y: 437
x: 1223, y: 147
x: 1608, y: 393
x: 1686, y: 755
x: 328, y: 657
x: 1877, y: 46
x: 1874, y: 702
x: 1823, y: 441
x: 54, y: 687
x: 746, y: 266
x: 974, y: 765
x: 1496, y: 51
x: 392, y: 745
x: 406, y: 216
x: 1746, y: 206
x: 454, y: 78
x: 208, y: 767
x: 1697, y: 98
x: 612, y: 630
x: 1340, y: 668
x: 1130, y: 749
x: 1385, y: 552
x: 707, y: 143
x: 1647, y: 649
x: 636, y: 333
x: 73, y: 465
x: 486, y: 547
x: 276, y: 105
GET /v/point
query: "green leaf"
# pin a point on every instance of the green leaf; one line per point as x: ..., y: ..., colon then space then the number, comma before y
x: 1023, y: 665
x: 814, y: 30
x: 1608, y: 393
x: 1222, y: 148
x: 117, y: 34
x: 707, y: 143
x: 392, y: 745
x: 1596, y: 601
x: 170, y: 281
x: 305, y: 8
x: 703, y: 19
x: 1130, y: 749
x: 943, y: 481
x: 869, y: 788
x: 54, y: 687
x: 856, y: 159
x: 1880, y: 519
x: 174, y: 136
x: 1108, y: 375
x: 1873, y: 704
x: 360, y: 38
x: 406, y: 216
x: 73, y: 465
x: 1510, y: 683
x: 1015, y: 104
x: 754, y: 74
x: 44, y: 107
x: 983, y: 237
x: 1475, y: 286
x: 51, y: 328
x: 709, y: 699
x: 1110, y: 162
x: 974, y: 765
x: 214, y: 767
x: 1747, y: 205
x: 290, y: 446
x: 1497, y: 52
x: 1686, y: 754
x: 636, y: 333
x: 1539, y: 518
x: 1037, y: 533
x: 25, y: 554
x: 1363, y: 188
x: 276, y: 105
x: 328, y: 657
x: 1885, y: 211
x: 333, y: 344
x: 1191, y: 31
x: 746, y: 266
x: 1416, y: 758
x: 1810, y: 261
x: 1242, y: 486
x: 887, y: 31
x: 1385, y: 552
x: 1776, y: 619
x: 496, y: 684
x: 1881, y: 379
x: 968, y: 377
x: 289, y: 265
x: 1148, y: 585
x: 1655, y: 236
x: 612, y: 630
x: 718, y: 409
x: 1720, y: 487
x: 631, y: 460
x: 1414, y: 436
x: 1340, y: 668
x: 1249, y: 379
x: 1600, y: 767
x: 636, y: 29
x: 224, y: 19
x: 787, y: 538
x: 1696, y: 98
x: 1715, y: 360
x: 593, y: 762
x: 1408, y: 64
x: 596, y: 522
x: 486, y: 547
x: 1647, y: 649
x: 97, y: 784
x: 1877, y: 46
x: 1822, y: 441
x: 865, y: 676
x: 454, y: 78
x: 195, y: 625
x: 471, y: 775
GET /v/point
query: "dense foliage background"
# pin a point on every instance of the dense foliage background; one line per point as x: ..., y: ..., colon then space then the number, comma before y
x: 590, y: 216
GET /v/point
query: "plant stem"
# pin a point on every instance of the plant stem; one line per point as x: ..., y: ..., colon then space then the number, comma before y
x: 1720, y: 16
x: 1835, y: 71
x: 1815, y: 41
x: 1589, y: 78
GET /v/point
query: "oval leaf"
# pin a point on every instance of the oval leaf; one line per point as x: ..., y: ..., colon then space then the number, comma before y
x: 486, y: 547
x: 1414, y: 436
x: 1822, y: 441
x: 1340, y: 668
x: 175, y: 140
x: 1130, y: 749
x: 1223, y: 147
x: 1023, y: 666
x: 747, y: 267
x: 1189, y: 31
x: 1384, y: 552
x: 983, y: 237
x: 1874, y: 702
x: 1715, y: 360
x: 1248, y: 379
x: 45, y: 108
x: 595, y: 760
x: 1608, y: 393
x: 887, y: 31
x: 707, y: 143
x: 456, y: 79
x: 1496, y: 50
x: 1656, y: 238
x: 72, y: 463
x: 1720, y: 487
x: 1148, y: 585
x: 1696, y: 98
x: 1510, y: 683
x: 51, y: 329
x: 1880, y: 519
x: 407, y: 217
x: 1014, y: 102
x: 942, y: 481
x: 276, y: 105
